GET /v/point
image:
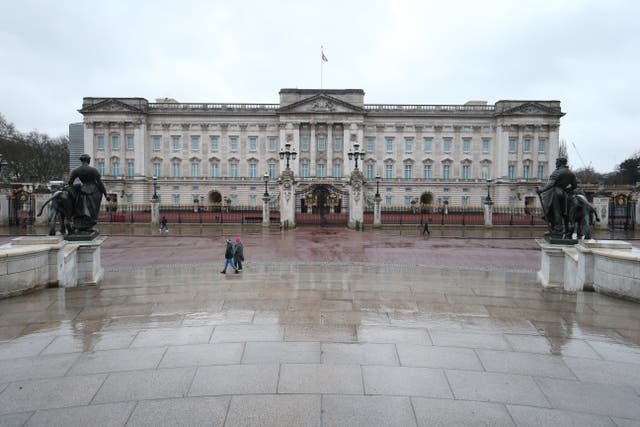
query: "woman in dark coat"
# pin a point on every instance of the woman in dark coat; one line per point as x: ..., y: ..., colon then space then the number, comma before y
x: 238, y: 254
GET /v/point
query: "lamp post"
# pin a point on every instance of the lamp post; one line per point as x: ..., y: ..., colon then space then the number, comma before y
x: 155, y: 197
x: 355, y: 154
x: 288, y: 153
x: 378, y: 186
x: 265, y: 178
x: 488, y: 199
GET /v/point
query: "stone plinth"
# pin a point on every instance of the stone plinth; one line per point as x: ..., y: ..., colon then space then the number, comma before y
x: 551, y: 273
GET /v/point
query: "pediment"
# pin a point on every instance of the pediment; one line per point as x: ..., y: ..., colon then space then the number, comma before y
x: 110, y: 106
x: 323, y: 104
x: 531, y: 109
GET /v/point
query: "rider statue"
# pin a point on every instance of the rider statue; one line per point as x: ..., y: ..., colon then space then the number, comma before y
x: 555, y: 200
x: 87, y: 190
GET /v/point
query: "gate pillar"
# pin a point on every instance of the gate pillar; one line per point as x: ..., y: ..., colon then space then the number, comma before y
x: 39, y: 201
x: 356, y: 200
x: 601, y: 204
x: 377, y: 214
x: 4, y: 209
x: 287, y: 199
x: 266, y: 213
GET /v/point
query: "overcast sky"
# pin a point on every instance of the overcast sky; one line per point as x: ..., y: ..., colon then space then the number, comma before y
x: 583, y: 53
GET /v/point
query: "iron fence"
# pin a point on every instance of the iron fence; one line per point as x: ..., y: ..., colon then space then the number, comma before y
x: 508, y: 215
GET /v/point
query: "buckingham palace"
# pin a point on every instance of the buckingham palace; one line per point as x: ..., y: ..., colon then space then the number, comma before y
x: 407, y: 153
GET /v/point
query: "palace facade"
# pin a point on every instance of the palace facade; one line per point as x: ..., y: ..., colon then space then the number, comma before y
x: 429, y: 154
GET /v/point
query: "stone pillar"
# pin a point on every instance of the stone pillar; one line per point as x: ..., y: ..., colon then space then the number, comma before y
x: 488, y: 214
x: 155, y: 213
x: 356, y: 200
x: 40, y: 199
x: 266, y: 214
x: 601, y: 204
x: 287, y: 200
x: 377, y: 212
x: 4, y: 209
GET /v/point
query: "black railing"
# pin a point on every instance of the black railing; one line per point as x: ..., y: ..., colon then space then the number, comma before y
x: 508, y: 215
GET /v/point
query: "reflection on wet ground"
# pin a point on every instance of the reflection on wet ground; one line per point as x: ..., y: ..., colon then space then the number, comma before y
x: 318, y: 343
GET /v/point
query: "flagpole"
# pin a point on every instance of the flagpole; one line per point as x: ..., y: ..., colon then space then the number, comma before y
x: 321, y: 65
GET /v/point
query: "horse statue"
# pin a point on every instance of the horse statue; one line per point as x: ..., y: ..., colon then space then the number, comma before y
x: 62, y: 205
x: 581, y: 214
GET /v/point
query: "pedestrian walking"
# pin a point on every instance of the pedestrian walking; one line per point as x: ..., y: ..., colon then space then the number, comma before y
x: 228, y: 258
x: 238, y: 254
x: 425, y: 228
x: 163, y: 224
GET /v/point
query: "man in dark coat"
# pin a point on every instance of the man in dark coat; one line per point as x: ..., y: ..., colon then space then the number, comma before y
x: 87, y: 188
x: 228, y: 258
x: 555, y: 198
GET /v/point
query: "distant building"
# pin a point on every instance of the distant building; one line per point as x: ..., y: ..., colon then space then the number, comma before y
x: 431, y: 154
x: 76, y: 144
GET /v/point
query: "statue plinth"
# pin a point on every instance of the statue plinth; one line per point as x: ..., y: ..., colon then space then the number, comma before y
x: 560, y: 240
x: 82, y: 236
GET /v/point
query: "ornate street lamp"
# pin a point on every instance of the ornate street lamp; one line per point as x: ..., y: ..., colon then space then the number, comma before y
x: 378, y: 186
x: 288, y: 153
x: 355, y: 154
x: 265, y: 178
x: 155, y: 197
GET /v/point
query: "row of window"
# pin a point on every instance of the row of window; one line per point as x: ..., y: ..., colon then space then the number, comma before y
x: 527, y: 145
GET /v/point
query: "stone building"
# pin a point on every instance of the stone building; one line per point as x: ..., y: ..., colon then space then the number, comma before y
x: 429, y: 154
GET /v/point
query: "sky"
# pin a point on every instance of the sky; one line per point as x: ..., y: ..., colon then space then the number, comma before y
x: 586, y: 54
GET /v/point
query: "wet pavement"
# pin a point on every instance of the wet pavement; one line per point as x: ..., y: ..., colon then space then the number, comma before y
x: 324, y: 327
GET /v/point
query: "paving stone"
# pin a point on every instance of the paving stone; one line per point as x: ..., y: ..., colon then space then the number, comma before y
x: 494, y: 387
x: 118, y: 360
x: 145, y: 321
x: 309, y: 378
x: 190, y: 411
x: 402, y: 381
x: 384, y: 334
x: 617, y: 352
x: 202, y: 355
x: 15, y: 420
x: 604, y: 399
x: 24, y: 346
x: 551, y: 345
x: 438, y: 357
x: 243, y: 333
x: 320, y: 333
x: 281, y: 352
x: 468, y: 339
x: 178, y: 336
x: 234, y: 379
x: 541, y: 365
x: 22, y: 396
x: 139, y: 385
x: 113, y: 414
x: 224, y: 317
x: 605, y: 372
x: 527, y: 416
x: 113, y: 340
x: 274, y: 411
x: 447, y: 412
x: 625, y: 422
x: 38, y: 367
x: 359, y: 354
x: 366, y: 411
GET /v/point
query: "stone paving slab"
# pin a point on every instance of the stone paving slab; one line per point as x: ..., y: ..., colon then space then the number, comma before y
x: 444, y: 412
x: 274, y: 411
x: 107, y: 415
x: 190, y: 411
x: 366, y: 411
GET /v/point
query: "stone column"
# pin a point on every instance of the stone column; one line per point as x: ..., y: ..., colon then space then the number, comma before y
x: 266, y: 214
x: 4, y: 209
x: 488, y: 214
x: 155, y: 213
x: 287, y: 200
x: 40, y: 199
x: 356, y: 200
x: 313, y: 144
x: 601, y: 204
x: 329, y: 149
x: 377, y: 212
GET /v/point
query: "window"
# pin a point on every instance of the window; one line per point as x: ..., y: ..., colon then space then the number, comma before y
x: 465, y: 171
x: 195, y: 169
x: 485, y: 145
x: 512, y: 201
x: 272, y: 170
x: 272, y: 144
x: 540, y: 171
x: 525, y: 172
x: 446, y: 171
x: 369, y: 171
x: 176, y: 199
x: 156, y: 143
x: 100, y: 142
x: 304, y: 144
x: 388, y: 171
x: 234, y: 199
x: 101, y: 167
x: 195, y: 143
x: 253, y: 200
x: 427, y: 144
x: 214, y: 170
x: 234, y: 170
x: 370, y: 145
x: 485, y: 172
x: 321, y: 172
x: 176, y: 169
x: 427, y: 171
x: 129, y: 198
x: 175, y: 142
x: 129, y: 142
x: 253, y: 170
x: 129, y: 169
x: 511, y: 172
x: 337, y: 170
x: 115, y: 168
x: 253, y: 143
x: 115, y: 142
x: 446, y: 145
x: 408, y: 145
x: 466, y: 145
x: 465, y: 201
x: 304, y: 169
x: 387, y: 200
x: 214, y: 143
x: 156, y: 169
x: 407, y: 200
x: 337, y: 146
x: 234, y: 143
x: 389, y: 145
x: 527, y: 145
x: 513, y: 145
x: 541, y: 144
x: 407, y: 171
x: 322, y: 144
